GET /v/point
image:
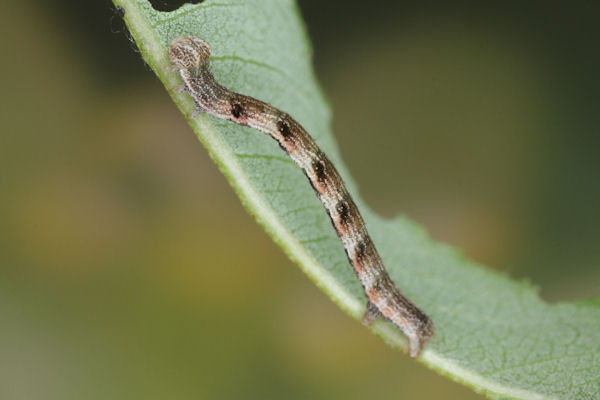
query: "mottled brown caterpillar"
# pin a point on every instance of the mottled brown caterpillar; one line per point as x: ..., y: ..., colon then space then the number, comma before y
x: 191, y: 56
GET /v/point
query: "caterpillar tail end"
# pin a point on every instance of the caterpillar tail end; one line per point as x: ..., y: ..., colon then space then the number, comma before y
x: 417, y: 327
x: 418, y: 334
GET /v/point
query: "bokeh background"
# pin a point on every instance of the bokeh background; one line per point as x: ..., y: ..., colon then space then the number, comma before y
x: 480, y: 120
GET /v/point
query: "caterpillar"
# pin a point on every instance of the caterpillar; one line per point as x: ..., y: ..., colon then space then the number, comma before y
x: 190, y: 56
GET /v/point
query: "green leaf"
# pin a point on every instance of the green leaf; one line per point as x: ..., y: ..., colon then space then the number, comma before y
x: 492, y: 334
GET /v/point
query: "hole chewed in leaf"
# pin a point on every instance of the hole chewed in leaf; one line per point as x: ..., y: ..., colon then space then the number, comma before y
x: 171, y: 5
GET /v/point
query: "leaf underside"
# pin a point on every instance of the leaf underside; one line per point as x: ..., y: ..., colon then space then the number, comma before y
x: 492, y: 334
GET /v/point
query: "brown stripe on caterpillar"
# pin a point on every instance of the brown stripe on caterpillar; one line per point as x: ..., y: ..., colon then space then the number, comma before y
x: 343, y: 210
x: 321, y: 167
x: 283, y: 127
x: 191, y: 56
x: 361, y: 258
x: 238, y: 111
x: 349, y: 221
x: 286, y: 135
x: 318, y: 166
x: 324, y: 174
x: 362, y: 248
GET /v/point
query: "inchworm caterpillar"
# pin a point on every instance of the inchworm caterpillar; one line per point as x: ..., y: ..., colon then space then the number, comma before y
x: 191, y: 56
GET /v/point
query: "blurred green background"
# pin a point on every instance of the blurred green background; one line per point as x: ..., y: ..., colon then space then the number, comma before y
x: 130, y: 270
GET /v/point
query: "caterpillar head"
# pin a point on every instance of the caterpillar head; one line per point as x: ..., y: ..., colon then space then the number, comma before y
x: 189, y: 52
